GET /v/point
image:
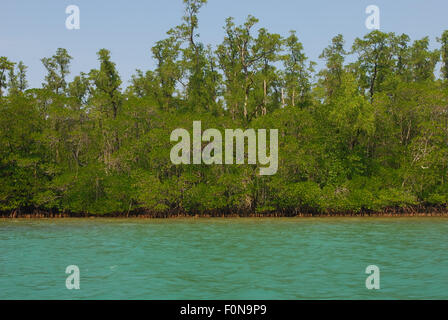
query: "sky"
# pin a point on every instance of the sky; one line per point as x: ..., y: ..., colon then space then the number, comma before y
x: 31, y: 30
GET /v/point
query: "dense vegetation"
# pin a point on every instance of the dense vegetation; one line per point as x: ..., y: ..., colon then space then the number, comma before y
x: 363, y: 136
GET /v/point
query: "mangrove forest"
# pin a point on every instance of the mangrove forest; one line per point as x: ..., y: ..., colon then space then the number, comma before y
x: 367, y: 132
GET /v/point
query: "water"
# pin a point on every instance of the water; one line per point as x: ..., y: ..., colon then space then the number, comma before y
x: 296, y: 258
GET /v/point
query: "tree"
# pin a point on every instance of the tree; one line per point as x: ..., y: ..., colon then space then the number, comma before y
x: 334, y: 56
x: 169, y: 71
x: 17, y: 82
x: 5, y: 67
x: 267, y: 47
x: 58, y: 68
x: 444, y: 51
x: 422, y: 60
x: 21, y: 77
x: 297, y: 73
x: 106, y: 99
x: 240, y: 57
x: 375, y: 60
x: 107, y: 83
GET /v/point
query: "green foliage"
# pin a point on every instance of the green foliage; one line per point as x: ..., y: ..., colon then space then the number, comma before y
x: 365, y: 136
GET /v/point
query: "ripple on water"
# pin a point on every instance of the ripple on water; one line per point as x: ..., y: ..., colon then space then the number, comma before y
x: 308, y: 258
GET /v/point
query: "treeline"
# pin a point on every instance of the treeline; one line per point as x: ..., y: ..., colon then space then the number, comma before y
x: 363, y: 136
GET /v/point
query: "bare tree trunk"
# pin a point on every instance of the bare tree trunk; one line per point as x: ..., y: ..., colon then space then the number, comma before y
x: 246, y: 98
x: 283, y: 98
x: 245, y: 106
x: 264, y: 98
x: 293, y: 97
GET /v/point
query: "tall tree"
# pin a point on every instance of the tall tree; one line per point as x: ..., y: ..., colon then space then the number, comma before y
x: 297, y: 72
x: 107, y: 85
x: 169, y: 70
x: 334, y: 56
x: 22, y: 83
x: 5, y: 67
x: 422, y: 60
x: 375, y: 60
x: 267, y: 48
x: 444, y: 51
x: 17, y: 81
x: 106, y: 98
x: 199, y: 69
x: 240, y: 55
x: 58, y: 67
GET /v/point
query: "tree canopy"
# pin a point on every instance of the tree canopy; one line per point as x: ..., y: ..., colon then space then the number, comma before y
x: 360, y: 136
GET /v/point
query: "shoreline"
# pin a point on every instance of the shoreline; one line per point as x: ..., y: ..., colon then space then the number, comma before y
x: 431, y: 212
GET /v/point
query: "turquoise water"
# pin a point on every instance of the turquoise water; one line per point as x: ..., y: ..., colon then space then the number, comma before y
x: 295, y: 258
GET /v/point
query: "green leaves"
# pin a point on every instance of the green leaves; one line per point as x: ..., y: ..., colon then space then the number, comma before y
x: 366, y: 136
x: 6, y: 66
x: 58, y: 68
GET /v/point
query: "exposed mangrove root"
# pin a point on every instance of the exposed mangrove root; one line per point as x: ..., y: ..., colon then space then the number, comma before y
x: 144, y: 214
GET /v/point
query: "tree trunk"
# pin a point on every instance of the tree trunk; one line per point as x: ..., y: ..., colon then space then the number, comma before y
x: 264, y: 98
x: 283, y: 98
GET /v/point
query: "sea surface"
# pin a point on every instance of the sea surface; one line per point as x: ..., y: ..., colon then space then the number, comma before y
x: 239, y: 258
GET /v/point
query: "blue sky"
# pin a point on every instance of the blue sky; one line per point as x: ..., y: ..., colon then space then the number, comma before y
x: 31, y: 30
